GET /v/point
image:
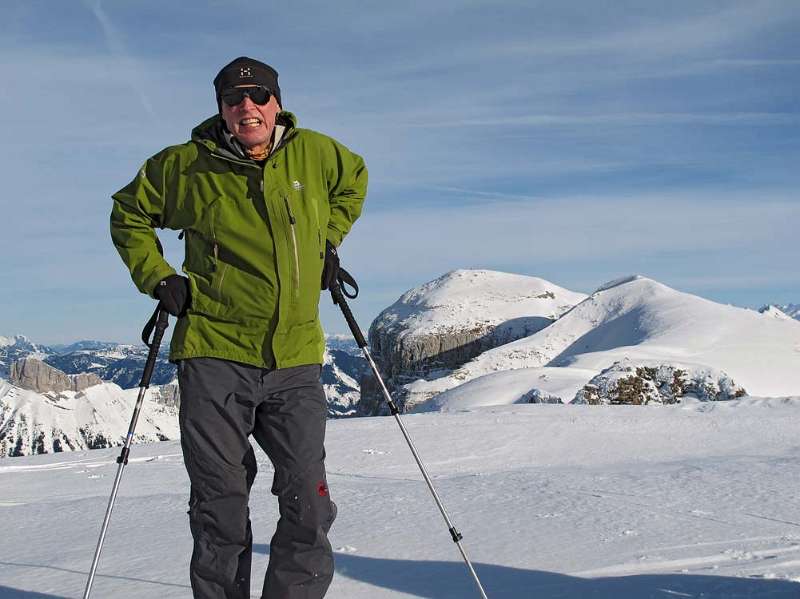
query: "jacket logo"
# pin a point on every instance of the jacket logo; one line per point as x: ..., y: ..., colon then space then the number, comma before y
x: 245, y: 72
x: 297, y: 185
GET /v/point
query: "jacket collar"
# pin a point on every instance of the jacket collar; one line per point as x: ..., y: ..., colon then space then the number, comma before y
x: 213, y: 134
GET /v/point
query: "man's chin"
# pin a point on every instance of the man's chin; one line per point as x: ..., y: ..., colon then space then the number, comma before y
x: 251, y: 138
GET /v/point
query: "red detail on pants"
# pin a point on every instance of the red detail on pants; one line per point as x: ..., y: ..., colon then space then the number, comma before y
x: 322, y: 489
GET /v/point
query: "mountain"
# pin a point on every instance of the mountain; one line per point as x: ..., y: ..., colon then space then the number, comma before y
x: 113, y: 362
x: 33, y: 374
x: 123, y: 363
x: 18, y: 347
x: 790, y: 310
x: 342, y: 369
x: 43, y: 409
x: 449, y: 320
x: 438, y: 326
x: 639, y: 319
x: 96, y: 417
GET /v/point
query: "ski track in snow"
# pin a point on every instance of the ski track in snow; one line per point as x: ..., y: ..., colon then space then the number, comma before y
x: 554, y: 502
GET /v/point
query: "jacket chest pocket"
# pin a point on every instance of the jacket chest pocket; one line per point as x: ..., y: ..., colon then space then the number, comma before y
x: 310, y: 220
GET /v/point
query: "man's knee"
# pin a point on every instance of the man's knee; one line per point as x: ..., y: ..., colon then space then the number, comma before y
x: 304, y: 501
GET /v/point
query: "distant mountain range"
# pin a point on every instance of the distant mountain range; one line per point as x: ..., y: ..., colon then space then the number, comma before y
x: 122, y: 364
x: 51, y: 404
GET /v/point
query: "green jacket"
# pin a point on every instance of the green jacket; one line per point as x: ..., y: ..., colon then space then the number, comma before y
x: 255, y: 239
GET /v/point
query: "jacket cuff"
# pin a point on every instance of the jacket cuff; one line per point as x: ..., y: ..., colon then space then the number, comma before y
x: 334, y: 236
x: 151, y: 282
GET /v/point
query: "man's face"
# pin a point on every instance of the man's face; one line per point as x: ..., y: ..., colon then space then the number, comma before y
x: 251, y: 123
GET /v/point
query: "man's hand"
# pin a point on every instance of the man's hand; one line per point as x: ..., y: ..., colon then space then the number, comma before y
x: 330, y: 271
x: 173, y: 293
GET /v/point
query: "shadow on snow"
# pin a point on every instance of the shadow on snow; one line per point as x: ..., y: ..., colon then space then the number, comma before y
x: 9, y: 593
x: 451, y: 580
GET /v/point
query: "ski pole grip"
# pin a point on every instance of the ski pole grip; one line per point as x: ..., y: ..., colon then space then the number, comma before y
x: 338, y: 299
x: 162, y: 322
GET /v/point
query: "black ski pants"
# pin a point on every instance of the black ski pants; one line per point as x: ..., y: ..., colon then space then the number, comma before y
x: 223, y: 403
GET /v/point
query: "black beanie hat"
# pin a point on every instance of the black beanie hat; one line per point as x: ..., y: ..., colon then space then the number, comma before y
x: 247, y: 71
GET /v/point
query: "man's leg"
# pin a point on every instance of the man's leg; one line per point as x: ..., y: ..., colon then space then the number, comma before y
x: 216, y: 417
x: 290, y: 426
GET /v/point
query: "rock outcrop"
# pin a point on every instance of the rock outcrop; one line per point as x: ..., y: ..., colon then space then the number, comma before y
x: 35, y: 375
x: 643, y: 383
x: 437, y: 327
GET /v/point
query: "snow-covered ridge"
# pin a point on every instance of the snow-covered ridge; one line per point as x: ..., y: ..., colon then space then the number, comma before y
x: 96, y: 417
x: 463, y: 298
x: 787, y: 310
x: 444, y: 323
x: 640, y: 319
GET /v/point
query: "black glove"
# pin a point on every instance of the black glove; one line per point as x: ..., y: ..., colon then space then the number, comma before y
x: 173, y: 293
x: 330, y: 271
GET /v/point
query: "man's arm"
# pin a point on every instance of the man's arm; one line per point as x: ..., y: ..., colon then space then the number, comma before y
x: 347, y: 182
x: 138, y: 208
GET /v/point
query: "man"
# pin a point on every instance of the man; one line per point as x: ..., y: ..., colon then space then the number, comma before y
x: 263, y: 205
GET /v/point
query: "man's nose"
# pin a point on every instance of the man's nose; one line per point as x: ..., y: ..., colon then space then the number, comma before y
x: 246, y: 102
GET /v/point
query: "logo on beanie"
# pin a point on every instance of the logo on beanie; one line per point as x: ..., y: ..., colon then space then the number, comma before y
x: 245, y: 72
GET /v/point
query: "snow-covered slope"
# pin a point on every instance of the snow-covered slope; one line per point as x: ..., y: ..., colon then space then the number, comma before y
x: 640, y: 319
x: 554, y: 502
x: 474, y: 298
x: 448, y: 320
x: 342, y: 368
x: 98, y: 416
x: 523, y: 385
x: 790, y: 310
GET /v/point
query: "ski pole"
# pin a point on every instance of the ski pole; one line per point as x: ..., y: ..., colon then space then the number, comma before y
x: 338, y: 295
x: 159, y: 321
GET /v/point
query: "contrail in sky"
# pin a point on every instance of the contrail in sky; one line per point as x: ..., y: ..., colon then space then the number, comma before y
x: 117, y: 48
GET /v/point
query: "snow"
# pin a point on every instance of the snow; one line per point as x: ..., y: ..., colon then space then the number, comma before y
x: 21, y: 339
x: 510, y: 386
x: 556, y: 501
x: 464, y: 299
x: 639, y: 319
x: 784, y: 311
x: 66, y: 421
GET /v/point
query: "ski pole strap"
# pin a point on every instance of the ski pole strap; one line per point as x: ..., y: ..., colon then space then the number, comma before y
x: 345, y: 278
x: 159, y: 317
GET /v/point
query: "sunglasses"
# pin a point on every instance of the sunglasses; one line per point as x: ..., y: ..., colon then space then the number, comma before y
x: 235, y: 95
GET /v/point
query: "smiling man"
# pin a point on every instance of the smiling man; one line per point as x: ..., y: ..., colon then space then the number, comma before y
x: 263, y: 205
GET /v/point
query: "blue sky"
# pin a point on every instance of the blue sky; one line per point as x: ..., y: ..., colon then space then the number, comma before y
x: 576, y: 141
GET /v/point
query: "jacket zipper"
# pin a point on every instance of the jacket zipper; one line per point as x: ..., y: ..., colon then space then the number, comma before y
x: 296, y: 273
x: 222, y: 271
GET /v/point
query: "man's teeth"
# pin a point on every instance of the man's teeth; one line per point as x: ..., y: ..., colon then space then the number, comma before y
x: 250, y: 122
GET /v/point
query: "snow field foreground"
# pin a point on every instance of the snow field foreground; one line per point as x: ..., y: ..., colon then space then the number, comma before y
x: 554, y: 501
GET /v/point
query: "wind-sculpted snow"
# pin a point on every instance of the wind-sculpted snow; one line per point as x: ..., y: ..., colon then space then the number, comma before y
x: 554, y: 501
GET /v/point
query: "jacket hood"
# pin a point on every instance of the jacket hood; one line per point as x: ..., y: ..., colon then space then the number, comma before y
x: 211, y: 132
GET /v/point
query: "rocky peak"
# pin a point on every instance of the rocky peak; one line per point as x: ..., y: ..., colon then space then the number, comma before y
x: 33, y: 374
